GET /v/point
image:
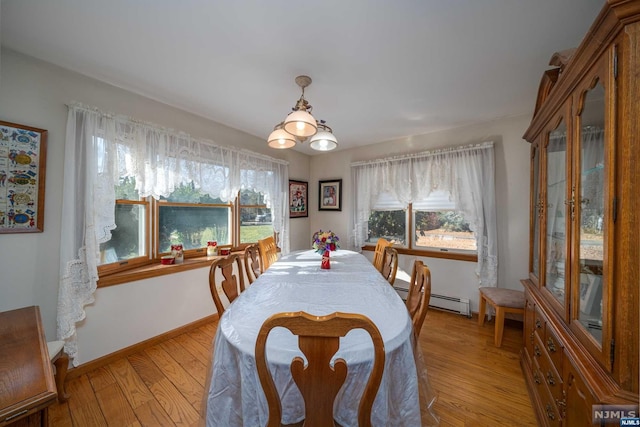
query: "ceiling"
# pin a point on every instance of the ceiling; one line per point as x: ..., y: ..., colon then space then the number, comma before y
x: 381, y: 69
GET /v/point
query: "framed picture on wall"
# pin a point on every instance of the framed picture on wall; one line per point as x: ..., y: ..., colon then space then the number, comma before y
x: 23, y: 152
x: 330, y: 195
x: 298, y: 199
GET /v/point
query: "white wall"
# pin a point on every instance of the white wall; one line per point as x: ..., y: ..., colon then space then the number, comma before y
x: 451, y: 278
x: 34, y: 93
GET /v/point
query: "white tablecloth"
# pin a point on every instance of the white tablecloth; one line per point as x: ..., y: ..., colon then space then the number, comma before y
x: 296, y: 283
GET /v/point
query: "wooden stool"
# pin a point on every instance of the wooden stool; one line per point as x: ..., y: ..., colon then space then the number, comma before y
x: 503, y: 301
x: 61, y: 361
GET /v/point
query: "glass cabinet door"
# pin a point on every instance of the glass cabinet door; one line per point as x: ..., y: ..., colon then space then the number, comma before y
x: 590, y: 212
x: 554, y: 204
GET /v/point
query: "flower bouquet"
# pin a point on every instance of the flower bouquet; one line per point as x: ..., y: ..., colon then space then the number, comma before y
x: 324, y: 242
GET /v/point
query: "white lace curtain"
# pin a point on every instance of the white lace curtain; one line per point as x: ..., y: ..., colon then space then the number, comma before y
x: 467, y: 173
x: 100, y: 148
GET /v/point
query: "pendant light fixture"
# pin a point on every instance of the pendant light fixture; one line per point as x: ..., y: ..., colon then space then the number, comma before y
x: 300, y: 125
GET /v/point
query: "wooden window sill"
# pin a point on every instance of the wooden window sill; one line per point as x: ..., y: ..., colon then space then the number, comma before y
x: 154, y: 270
x: 458, y: 256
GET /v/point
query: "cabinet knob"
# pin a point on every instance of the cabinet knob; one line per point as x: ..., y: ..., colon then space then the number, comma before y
x: 550, y: 414
x: 538, y: 324
x: 536, y: 377
x: 550, y: 379
x: 551, y: 345
x: 536, y: 350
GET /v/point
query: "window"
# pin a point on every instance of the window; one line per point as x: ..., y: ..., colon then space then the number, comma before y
x: 129, y: 243
x: 431, y: 201
x: 255, y: 218
x: 388, y: 219
x: 192, y: 218
x: 435, y: 224
x: 390, y: 224
x: 439, y: 225
x: 186, y: 216
x: 442, y: 230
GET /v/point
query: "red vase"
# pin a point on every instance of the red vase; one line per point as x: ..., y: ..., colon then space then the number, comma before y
x: 326, y: 265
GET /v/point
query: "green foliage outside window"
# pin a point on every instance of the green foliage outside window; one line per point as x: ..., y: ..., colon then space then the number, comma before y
x: 126, y: 189
x: 388, y: 224
x: 446, y: 220
x: 438, y: 229
x: 188, y: 193
x: 193, y: 226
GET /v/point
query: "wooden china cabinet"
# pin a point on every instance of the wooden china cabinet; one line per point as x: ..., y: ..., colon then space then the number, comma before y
x: 582, y: 294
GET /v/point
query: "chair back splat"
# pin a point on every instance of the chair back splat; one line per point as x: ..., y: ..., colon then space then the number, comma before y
x: 232, y: 283
x: 390, y: 265
x: 268, y: 252
x: 252, y: 262
x: 419, y: 295
x: 378, y: 255
x: 319, y: 339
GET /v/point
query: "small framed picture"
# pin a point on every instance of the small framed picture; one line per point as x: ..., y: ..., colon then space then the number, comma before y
x: 298, y: 199
x: 23, y: 152
x: 330, y: 195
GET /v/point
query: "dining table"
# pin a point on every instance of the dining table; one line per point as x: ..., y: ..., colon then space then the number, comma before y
x: 296, y: 282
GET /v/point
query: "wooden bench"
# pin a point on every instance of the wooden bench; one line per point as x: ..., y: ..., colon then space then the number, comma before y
x: 503, y: 301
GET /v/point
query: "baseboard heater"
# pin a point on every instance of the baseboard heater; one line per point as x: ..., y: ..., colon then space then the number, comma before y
x: 443, y: 302
x: 453, y: 304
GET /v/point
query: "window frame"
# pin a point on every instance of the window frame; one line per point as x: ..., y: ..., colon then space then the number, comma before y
x: 143, y: 266
x: 431, y: 251
x: 188, y: 253
x: 139, y: 261
x: 238, y: 224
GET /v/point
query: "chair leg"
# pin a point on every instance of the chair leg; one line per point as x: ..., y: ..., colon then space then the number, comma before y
x: 482, y: 310
x: 499, y: 326
x: 61, y: 364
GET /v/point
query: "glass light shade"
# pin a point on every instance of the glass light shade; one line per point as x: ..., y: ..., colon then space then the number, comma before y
x: 300, y: 123
x: 281, y: 139
x: 323, y: 141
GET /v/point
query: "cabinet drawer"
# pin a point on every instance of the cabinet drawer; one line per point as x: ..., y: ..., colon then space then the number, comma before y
x: 554, y: 348
x: 529, y: 327
x: 548, y: 372
x: 34, y: 417
x: 548, y: 409
x: 539, y: 322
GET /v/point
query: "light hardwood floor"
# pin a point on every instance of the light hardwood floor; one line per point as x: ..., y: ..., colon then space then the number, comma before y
x: 477, y: 384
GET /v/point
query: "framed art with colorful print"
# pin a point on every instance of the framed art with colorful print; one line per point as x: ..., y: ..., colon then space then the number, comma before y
x: 298, y: 199
x: 23, y: 152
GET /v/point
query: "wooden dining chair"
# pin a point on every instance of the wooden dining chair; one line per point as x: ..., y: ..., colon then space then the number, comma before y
x: 252, y: 262
x: 390, y: 265
x: 378, y: 254
x: 319, y: 382
x: 268, y: 252
x: 419, y: 295
x: 232, y: 283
